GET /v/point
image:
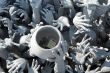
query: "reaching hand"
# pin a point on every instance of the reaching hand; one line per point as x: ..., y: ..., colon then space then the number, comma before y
x: 34, y: 67
x: 81, y: 23
x: 17, y: 14
x: 61, y: 22
x: 47, y: 16
x: 47, y: 68
x: 17, y: 65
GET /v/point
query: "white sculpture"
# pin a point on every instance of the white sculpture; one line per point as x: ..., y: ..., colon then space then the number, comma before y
x: 16, y: 65
x: 61, y: 22
x: 44, y: 40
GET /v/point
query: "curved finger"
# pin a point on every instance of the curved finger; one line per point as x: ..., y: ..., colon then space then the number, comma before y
x: 84, y: 20
x: 84, y: 38
x: 38, y: 67
x: 16, y: 69
x: 84, y: 28
x: 86, y: 41
x: 44, y: 10
x: 19, y: 12
x: 79, y: 14
x: 33, y: 63
x: 12, y: 68
x: 22, y: 14
x: 83, y: 16
x: 61, y: 27
x: 85, y: 24
x: 9, y: 66
x: 13, y: 13
x: 36, y: 64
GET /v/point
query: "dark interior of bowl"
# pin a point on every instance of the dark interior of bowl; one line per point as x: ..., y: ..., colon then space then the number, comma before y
x: 47, y: 38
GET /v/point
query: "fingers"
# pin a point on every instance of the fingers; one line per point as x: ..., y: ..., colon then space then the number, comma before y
x: 86, y: 25
x: 84, y: 28
x: 44, y: 11
x: 36, y: 64
x: 13, y: 15
x: 86, y: 41
x: 84, y: 38
x: 15, y: 12
x: 82, y: 16
x: 12, y: 68
x: 38, y: 67
x: 22, y: 14
x: 79, y: 14
x: 87, y: 45
x: 61, y: 27
x: 9, y: 66
x: 33, y: 63
x: 16, y: 69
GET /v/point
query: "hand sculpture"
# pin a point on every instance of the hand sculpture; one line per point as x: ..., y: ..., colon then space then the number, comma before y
x: 81, y: 50
x: 34, y: 67
x: 83, y: 45
x: 47, y: 68
x: 17, y: 65
x: 61, y: 22
x: 81, y: 23
x: 47, y: 16
x: 19, y: 14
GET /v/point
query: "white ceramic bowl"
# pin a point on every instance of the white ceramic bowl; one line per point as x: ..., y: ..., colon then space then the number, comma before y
x: 47, y: 33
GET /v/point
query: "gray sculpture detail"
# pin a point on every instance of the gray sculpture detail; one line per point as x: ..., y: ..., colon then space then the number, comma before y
x: 54, y: 36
